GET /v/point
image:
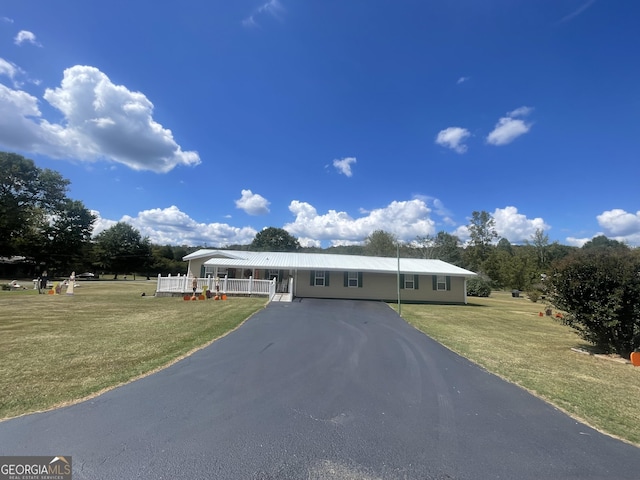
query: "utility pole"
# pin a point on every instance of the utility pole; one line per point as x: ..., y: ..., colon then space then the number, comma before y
x: 398, y: 256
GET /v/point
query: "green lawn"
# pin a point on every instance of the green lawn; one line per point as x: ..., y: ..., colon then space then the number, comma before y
x: 507, y: 336
x: 57, y: 349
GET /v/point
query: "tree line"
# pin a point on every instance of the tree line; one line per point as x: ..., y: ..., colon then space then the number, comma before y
x: 42, y: 229
x: 597, y: 285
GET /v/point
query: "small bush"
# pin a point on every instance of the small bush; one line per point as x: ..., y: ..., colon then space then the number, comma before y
x: 534, y: 296
x: 6, y: 286
x: 478, y: 287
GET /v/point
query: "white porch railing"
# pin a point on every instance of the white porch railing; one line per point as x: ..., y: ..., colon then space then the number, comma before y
x: 235, y: 286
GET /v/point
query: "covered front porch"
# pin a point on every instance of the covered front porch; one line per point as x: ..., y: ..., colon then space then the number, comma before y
x: 182, y: 284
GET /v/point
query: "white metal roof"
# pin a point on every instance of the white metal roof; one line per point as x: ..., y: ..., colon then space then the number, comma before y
x: 325, y: 261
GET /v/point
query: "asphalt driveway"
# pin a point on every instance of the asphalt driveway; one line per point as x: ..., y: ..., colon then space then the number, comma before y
x: 321, y: 389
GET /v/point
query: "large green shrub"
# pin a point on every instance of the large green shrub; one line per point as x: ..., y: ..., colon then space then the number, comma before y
x: 599, y: 289
x: 478, y: 287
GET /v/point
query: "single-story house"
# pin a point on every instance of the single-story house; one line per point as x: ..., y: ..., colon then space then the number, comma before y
x: 319, y: 275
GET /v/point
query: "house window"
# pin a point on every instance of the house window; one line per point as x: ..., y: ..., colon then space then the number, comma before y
x: 442, y: 282
x: 409, y: 282
x: 353, y: 279
x: 319, y: 278
x: 210, y: 270
x: 273, y: 274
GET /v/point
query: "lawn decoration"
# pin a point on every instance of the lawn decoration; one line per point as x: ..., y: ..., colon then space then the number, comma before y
x: 635, y: 359
x: 70, y: 285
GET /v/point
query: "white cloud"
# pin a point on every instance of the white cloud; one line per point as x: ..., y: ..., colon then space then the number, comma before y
x: 578, y: 11
x: 462, y: 232
x: 273, y: 8
x: 17, y: 75
x: 576, y: 242
x: 18, y: 130
x: 509, y: 128
x: 509, y: 224
x: 619, y: 222
x: 6, y: 19
x: 617, y: 225
x: 252, y: 203
x: 101, y: 121
x: 520, y: 112
x: 101, y: 224
x: 621, y: 226
x: 463, y: 79
x: 174, y: 227
x: 26, y: 36
x: 437, y: 206
x: 9, y: 69
x: 309, y: 242
x: 405, y: 219
x: 344, y: 165
x: 453, y: 138
x: 515, y: 226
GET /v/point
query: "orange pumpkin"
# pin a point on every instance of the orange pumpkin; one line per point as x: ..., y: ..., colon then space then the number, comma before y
x: 635, y: 359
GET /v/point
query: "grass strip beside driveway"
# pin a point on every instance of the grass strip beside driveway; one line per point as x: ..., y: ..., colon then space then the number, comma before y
x: 507, y: 336
x: 57, y: 349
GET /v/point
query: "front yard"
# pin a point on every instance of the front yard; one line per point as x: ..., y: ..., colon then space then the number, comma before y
x: 507, y: 336
x: 57, y: 348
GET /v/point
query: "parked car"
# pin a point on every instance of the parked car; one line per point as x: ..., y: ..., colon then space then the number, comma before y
x: 87, y: 275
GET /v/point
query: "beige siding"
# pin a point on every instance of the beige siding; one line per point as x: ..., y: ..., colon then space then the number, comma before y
x: 377, y: 286
x: 195, y: 266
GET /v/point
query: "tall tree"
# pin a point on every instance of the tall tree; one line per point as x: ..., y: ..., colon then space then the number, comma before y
x: 165, y: 261
x: 540, y: 242
x: 482, y: 233
x: 505, y: 245
x: 426, y: 245
x: 28, y: 195
x: 68, y: 232
x: 274, y: 239
x: 381, y: 244
x: 121, y: 249
x: 448, y: 248
x: 556, y: 251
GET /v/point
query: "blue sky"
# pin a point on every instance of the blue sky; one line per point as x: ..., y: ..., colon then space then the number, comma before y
x: 203, y: 121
